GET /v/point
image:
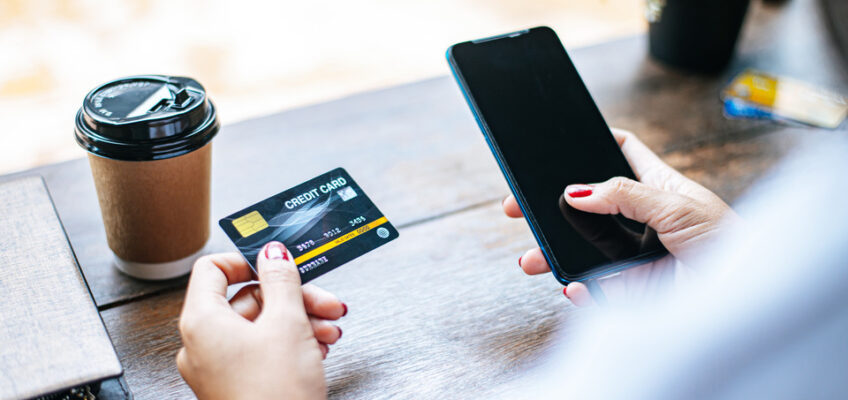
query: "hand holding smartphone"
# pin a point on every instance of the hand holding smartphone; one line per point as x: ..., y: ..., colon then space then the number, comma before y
x: 546, y: 132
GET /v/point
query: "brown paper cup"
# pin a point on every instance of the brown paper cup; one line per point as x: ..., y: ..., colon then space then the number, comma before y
x: 155, y: 212
x: 148, y: 139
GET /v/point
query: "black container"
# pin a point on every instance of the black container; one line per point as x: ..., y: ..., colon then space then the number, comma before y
x: 696, y: 35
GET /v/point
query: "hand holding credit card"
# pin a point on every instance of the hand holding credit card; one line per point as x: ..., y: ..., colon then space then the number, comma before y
x: 324, y: 222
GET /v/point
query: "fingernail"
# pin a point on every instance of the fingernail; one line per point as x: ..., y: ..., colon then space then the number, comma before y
x: 565, y: 291
x: 503, y: 201
x: 519, y: 261
x: 579, y: 190
x: 340, y: 331
x: 276, y: 251
x: 345, y: 309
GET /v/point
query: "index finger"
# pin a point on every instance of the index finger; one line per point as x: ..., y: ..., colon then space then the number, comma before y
x: 211, y: 276
x: 638, y: 155
x: 511, y: 208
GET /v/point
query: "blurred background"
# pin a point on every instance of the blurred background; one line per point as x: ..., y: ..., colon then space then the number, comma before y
x: 254, y: 57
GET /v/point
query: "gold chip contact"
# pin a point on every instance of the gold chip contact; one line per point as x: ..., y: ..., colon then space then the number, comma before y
x: 250, y: 223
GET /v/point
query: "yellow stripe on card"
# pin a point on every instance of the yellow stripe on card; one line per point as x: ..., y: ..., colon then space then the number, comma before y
x: 341, y: 239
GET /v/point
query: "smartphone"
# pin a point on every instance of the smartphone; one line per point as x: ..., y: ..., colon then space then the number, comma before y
x: 546, y: 132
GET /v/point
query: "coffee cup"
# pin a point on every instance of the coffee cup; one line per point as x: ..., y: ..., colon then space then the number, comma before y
x: 149, y: 147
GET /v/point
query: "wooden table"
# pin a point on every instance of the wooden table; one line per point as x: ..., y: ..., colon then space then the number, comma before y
x: 444, y: 311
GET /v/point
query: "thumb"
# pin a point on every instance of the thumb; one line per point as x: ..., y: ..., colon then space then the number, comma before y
x: 279, y: 280
x: 661, y: 210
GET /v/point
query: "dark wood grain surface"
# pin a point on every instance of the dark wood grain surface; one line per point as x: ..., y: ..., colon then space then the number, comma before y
x: 446, y: 304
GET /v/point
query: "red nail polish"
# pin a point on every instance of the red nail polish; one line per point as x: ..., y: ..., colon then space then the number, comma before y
x: 565, y: 291
x: 276, y: 251
x: 345, y: 309
x: 519, y: 260
x: 576, y: 191
x: 340, y: 331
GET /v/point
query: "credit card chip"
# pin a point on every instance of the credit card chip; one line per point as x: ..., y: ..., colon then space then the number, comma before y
x: 250, y: 223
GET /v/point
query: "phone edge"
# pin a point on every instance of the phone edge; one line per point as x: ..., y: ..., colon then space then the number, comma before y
x: 529, y: 217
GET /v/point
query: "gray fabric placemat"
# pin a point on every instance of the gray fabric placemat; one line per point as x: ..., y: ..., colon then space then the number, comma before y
x: 51, y: 335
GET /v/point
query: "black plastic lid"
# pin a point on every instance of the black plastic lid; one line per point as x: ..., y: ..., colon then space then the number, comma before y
x: 146, y: 117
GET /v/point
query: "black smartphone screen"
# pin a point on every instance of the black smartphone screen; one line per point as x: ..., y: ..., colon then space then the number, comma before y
x: 546, y: 132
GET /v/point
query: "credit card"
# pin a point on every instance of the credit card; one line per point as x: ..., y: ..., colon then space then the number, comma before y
x: 788, y: 98
x: 735, y: 108
x: 324, y: 222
